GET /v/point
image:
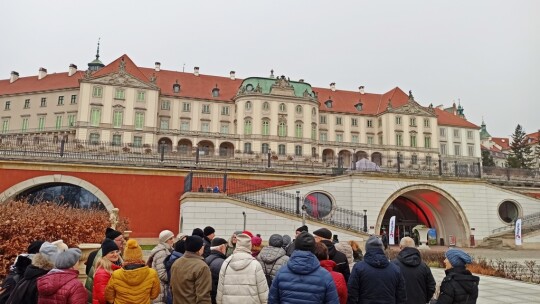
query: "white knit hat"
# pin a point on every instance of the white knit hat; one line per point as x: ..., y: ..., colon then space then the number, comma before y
x: 165, y: 235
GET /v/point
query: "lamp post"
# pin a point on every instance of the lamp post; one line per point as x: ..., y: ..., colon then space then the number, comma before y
x: 304, y: 214
x: 440, y: 164
x: 269, y: 157
x: 244, y: 214
x: 298, y: 202
x: 365, y: 220
x: 354, y: 159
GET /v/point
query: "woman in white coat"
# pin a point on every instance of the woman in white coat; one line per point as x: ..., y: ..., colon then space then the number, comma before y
x: 156, y: 261
x: 241, y: 278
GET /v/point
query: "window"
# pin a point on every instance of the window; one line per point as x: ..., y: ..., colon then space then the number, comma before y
x: 339, y: 120
x: 8, y: 104
x: 318, y: 205
x: 225, y: 110
x: 165, y: 105
x: 323, y: 136
x: 24, y: 126
x: 457, y: 150
x: 414, y: 159
x: 508, y: 212
x: 313, y: 131
x: 413, y: 140
x: 456, y: 133
x: 137, y: 141
x: 426, y: 122
x: 265, y: 127
x: 71, y: 120
x: 118, y: 119
x: 266, y: 106
x: 282, y: 107
x: 298, y: 150
x: 398, y: 120
x: 205, y: 126
x: 97, y: 92
x: 186, y: 107
x: 141, y: 95
x: 428, y: 160
x: 354, y: 138
x: 399, y: 140
x: 442, y: 132
x: 248, y: 105
x: 380, y: 122
x: 339, y: 137
x: 95, y: 117
x: 139, y: 120
x: 470, y: 134
x: 282, y: 150
x: 265, y: 148
x: 412, y: 122
x: 58, y: 123
x: 299, y: 130
x: 470, y: 149
x: 354, y: 122
x: 322, y: 119
x: 94, y: 138
x: 369, y: 123
x: 313, y: 152
x: 41, y: 123
x: 299, y: 109
x: 224, y: 129
x: 120, y: 94
x: 164, y: 124
x: 27, y: 103
x: 313, y: 112
x: 427, y: 142
x: 282, y: 129
x: 443, y: 149
x: 117, y: 140
x: 359, y: 106
x: 73, y: 99
x: 184, y: 125
x: 206, y: 108
x: 370, y: 140
x: 247, y: 127
x: 328, y: 103
x: 5, y: 125
x: 43, y: 101
x: 60, y: 100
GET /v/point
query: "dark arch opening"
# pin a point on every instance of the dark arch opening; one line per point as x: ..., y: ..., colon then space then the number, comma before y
x: 408, y: 214
x: 61, y: 193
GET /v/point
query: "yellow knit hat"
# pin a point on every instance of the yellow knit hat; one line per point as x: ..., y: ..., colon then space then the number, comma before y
x: 133, y: 251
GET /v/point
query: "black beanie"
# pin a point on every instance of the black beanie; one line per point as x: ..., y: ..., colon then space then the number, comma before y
x: 198, y: 232
x: 208, y: 230
x: 193, y: 243
x: 324, y: 233
x: 111, y: 233
x: 33, y: 248
x: 305, y: 241
x: 302, y: 229
x: 180, y: 246
x: 218, y: 242
x: 107, y: 246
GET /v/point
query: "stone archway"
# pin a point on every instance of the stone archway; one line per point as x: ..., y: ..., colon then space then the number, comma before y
x: 206, y: 148
x: 166, y: 143
x: 438, y: 208
x: 328, y: 156
x: 56, y: 178
x: 226, y: 149
x: 184, y: 147
x: 345, y: 159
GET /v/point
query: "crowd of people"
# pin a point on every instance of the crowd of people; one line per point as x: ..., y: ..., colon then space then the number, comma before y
x: 203, y: 268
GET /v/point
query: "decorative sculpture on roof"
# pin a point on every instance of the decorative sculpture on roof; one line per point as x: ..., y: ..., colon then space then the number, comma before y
x: 258, y: 89
x: 87, y: 74
x: 272, y: 73
x: 122, y: 66
x: 411, y: 97
x: 282, y: 82
x: 153, y: 78
x: 389, y: 106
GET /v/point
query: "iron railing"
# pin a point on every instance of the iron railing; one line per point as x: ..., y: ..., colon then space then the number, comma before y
x: 530, y: 220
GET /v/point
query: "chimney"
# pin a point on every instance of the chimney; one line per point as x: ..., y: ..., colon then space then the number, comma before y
x: 196, y: 71
x: 300, y: 80
x: 361, y: 89
x: 333, y: 86
x: 233, y: 75
x: 42, y: 73
x: 158, y: 66
x: 14, y: 76
x: 72, y: 69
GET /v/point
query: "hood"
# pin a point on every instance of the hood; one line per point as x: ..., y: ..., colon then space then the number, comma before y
x: 160, y: 247
x: 410, y: 256
x: 376, y: 258
x: 240, y: 260
x: 270, y: 254
x: 32, y: 272
x: 328, y: 265
x: 303, y: 262
x: 331, y: 248
x: 55, y: 279
x: 41, y: 262
x: 134, y: 277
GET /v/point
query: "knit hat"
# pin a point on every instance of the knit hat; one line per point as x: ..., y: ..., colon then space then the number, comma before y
x: 108, y: 246
x: 67, y: 259
x: 218, y: 242
x: 457, y: 257
x: 373, y: 243
x: 208, y: 230
x: 256, y: 241
x: 198, y: 232
x: 180, y: 246
x: 247, y: 233
x: 324, y: 233
x: 112, y: 234
x: 305, y: 241
x: 180, y: 236
x: 33, y: 248
x: 132, y: 252
x: 193, y: 243
x: 165, y: 235
x: 243, y: 242
x: 61, y: 245
x: 302, y: 229
x: 286, y: 240
x: 276, y: 240
x: 49, y: 251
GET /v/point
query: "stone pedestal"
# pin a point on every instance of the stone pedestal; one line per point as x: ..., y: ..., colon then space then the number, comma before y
x: 422, y: 234
x: 86, y: 249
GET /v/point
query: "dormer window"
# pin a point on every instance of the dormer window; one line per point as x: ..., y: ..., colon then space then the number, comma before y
x: 328, y: 103
x: 359, y: 106
x: 176, y: 87
x: 215, y: 92
x: 249, y: 87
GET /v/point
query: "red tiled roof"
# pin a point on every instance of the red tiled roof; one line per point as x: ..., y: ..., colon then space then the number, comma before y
x: 448, y: 119
x: 533, y: 138
x: 501, y: 141
x: 56, y: 81
x: 131, y: 68
x: 493, y: 148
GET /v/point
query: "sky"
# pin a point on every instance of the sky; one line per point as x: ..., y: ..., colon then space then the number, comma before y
x: 483, y: 54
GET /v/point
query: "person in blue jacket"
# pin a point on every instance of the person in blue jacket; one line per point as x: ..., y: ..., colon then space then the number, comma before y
x: 375, y: 279
x: 302, y: 279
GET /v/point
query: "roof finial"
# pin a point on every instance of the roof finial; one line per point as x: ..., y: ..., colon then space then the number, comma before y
x: 97, y: 54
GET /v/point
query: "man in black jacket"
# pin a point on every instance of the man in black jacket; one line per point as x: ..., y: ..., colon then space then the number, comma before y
x: 324, y: 236
x: 214, y: 261
x: 419, y: 281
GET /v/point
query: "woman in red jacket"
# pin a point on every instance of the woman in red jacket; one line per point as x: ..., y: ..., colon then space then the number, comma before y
x: 105, y: 267
x: 321, y: 252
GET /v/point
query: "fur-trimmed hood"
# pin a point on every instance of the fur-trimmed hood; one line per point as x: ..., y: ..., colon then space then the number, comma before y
x: 41, y: 262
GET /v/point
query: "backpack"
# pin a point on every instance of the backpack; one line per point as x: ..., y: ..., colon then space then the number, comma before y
x: 268, y: 274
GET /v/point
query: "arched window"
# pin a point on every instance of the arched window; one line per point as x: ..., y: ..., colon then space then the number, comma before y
x: 247, y: 127
x: 265, y: 127
x: 265, y: 148
x: 318, y: 205
x: 282, y: 107
x: 299, y: 132
x: 282, y: 129
x: 266, y: 106
x: 314, y: 131
x: 298, y: 150
x: 248, y: 105
x: 313, y: 112
x: 298, y: 109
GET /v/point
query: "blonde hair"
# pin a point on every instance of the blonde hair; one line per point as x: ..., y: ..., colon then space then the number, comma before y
x: 407, y: 242
x: 354, y: 245
x: 105, y: 264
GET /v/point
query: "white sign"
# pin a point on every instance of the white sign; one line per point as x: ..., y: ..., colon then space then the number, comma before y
x: 392, y: 230
x: 518, y: 232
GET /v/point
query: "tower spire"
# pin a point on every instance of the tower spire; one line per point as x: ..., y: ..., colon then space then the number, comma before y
x: 96, y: 64
x: 97, y: 54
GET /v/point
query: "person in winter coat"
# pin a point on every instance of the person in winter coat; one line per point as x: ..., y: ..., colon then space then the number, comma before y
x: 232, y: 243
x: 302, y: 279
x: 290, y: 248
x: 346, y: 249
x: 375, y: 279
x: 419, y: 282
x: 321, y: 252
x: 61, y: 285
x: 156, y: 261
x: 459, y: 286
x: 191, y: 280
x: 324, y: 236
x: 26, y: 291
x: 256, y: 246
x: 357, y: 251
x: 214, y: 261
x: 286, y: 241
x: 105, y: 267
x: 135, y: 282
x: 273, y: 256
x: 178, y: 252
x: 209, y: 234
x: 241, y: 278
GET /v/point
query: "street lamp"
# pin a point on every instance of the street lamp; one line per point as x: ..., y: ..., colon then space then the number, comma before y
x: 298, y: 202
x: 269, y: 157
x: 365, y: 220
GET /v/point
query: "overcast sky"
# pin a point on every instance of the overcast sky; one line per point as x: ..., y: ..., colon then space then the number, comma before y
x: 484, y: 53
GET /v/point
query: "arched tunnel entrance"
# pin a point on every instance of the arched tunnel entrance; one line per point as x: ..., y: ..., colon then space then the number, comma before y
x: 61, y: 193
x: 425, y: 205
